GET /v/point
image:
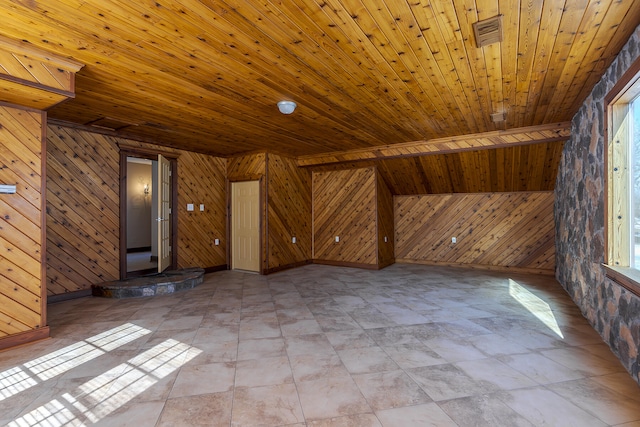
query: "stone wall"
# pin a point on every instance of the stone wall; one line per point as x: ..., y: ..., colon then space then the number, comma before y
x: 579, y: 215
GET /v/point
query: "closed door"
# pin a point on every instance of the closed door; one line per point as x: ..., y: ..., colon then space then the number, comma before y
x: 245, y: 226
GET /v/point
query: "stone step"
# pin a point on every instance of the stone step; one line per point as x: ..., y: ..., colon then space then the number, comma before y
x: 164, y: 283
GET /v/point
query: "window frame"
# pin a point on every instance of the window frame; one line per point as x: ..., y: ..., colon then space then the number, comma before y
x: 617, y: 226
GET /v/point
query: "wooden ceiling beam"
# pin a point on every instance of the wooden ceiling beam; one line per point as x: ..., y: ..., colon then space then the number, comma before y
x: 495, y: 139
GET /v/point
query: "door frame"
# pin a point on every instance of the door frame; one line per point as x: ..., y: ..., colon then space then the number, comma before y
x: 151, y: 154
x: 261, y: 220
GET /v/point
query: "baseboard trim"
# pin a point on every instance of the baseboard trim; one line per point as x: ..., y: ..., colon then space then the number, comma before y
x: 498, y: 268
x: 215, y: 268
x: 386, y: 264
x: 287, y: 266
x: 24, y: 338
x: 52, y: 299
x: 346, y: 264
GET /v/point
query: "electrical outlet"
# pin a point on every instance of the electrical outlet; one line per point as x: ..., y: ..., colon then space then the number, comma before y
x: 454, y: 240
x: 189, y: 207
x: 385, y: 239
x: 201, y: 207
x: 337, y: 239
x: 216, y: 242
x: 293, y: 240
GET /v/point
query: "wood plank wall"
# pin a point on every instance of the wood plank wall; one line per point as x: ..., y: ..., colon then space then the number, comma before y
x: 385, y: 223
x: 502, y: 231
x: 289, y: 213
x: 201, y: 181
x: 508, y: 169
x: 21, y: 237
x: 344, y: 205
x: 83, y: 208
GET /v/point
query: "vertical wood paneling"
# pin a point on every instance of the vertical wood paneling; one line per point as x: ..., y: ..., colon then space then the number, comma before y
x: 83, y: 208
x: 289, y: 212
x: 498, y: 230
x: 21, y: 164
x: 385, y: 222
x: 344, y: 205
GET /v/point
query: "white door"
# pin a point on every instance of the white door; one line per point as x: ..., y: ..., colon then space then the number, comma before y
x: 164, y: 212
x: 245, y: 225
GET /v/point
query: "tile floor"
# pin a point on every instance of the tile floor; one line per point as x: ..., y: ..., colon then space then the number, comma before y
x: 137, y: 261
x: 323, y: 346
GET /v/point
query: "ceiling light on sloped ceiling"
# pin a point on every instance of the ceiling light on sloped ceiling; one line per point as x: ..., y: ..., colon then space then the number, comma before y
x: 488, y: 31
x: 286, y: 107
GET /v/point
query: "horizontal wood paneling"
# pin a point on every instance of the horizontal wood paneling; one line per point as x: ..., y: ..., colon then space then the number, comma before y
x: 21, y: 164
x: 83, y: 205
x: 506, y: 230
x: 289, y: 212
x: 344, y: 205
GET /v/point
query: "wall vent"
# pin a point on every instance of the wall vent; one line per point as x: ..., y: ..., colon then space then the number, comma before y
x: 488, y: 31
x: 498, y: 117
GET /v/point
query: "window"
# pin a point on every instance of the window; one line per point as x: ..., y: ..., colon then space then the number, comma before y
x: 623, y: 180
x: 634, y: 194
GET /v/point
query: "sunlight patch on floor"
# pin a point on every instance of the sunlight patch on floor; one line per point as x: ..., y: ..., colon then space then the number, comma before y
x: 20, y: 378
x: 100, y: 396
x: 535, y: 305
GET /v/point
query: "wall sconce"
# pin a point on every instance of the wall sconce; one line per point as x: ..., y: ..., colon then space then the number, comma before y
x: 146, y: 189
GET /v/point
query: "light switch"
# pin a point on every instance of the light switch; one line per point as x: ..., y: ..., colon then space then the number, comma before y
x: 189, y: 207
x: 201, y: 207
x: 337, y: 239
x: 385, y: 239
x: 216, y: 242
x: 293, y: 240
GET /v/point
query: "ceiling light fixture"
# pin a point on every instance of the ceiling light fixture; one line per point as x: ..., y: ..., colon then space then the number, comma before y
x: 286, y: 107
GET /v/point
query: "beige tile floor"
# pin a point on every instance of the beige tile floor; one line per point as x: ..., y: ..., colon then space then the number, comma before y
x: 323, y: 346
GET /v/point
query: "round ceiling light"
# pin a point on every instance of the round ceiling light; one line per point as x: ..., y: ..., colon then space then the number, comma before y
x: 286, y: 107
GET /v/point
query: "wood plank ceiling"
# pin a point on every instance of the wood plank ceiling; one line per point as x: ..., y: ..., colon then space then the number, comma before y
x: 205, y: 75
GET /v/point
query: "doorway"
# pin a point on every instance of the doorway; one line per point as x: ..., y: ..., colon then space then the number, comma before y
x: 245, y: 226
x: 148, y: 197
x: 142, y: 247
